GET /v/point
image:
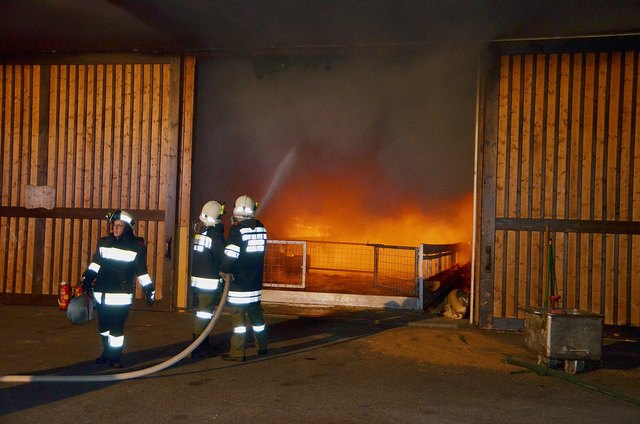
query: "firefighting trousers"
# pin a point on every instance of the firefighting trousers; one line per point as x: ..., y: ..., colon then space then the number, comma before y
x: 241, y: 318
x: 207, y: 302
x: 111, y: 320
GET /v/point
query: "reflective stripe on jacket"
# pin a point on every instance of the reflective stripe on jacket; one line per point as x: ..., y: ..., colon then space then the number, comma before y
x: 118, y: 262
x: 208, y: 248
x: 244, y: 258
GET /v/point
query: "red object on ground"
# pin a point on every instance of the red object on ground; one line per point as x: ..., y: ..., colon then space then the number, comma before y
x: 64, y: 291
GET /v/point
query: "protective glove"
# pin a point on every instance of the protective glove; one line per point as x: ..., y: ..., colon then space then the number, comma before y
x: 150, y: 296
x: 87, y: 287
x: 195, y: 300
x: 87, y: 279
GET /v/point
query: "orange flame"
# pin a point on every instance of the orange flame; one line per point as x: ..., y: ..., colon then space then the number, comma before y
x: 339, y: 208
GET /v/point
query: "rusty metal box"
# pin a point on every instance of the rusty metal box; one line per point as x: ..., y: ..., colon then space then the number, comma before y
x: 569, y: 334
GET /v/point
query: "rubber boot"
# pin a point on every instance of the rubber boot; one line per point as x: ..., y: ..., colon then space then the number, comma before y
x: 204, y: 349
x: 261, y: 341
x: 114, y: 358
x: 104, y: 357
x: 115, y: 354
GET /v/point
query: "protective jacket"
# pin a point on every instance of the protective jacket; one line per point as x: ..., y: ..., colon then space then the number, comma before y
x: 116, y: 264
x: 208, y: 248
x: 244, y: 259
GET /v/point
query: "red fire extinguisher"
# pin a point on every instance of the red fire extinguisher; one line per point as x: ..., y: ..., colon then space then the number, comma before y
x: 64, y: 290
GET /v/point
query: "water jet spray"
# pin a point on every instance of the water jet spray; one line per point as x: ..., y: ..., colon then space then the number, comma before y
x: 282, y: 170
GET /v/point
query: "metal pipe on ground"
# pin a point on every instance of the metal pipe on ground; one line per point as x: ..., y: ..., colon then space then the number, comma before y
x: 542, y: 370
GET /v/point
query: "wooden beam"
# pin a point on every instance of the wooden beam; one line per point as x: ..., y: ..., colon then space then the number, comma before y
x: 568, y: 225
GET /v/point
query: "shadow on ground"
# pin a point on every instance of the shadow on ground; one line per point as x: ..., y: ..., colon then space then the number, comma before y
x: 286, y: 337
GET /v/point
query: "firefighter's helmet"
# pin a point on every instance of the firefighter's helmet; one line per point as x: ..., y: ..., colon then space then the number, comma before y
x: 121, y: 215
x: 81, y: 309
x: 211, y: 212
x: 245, y: 208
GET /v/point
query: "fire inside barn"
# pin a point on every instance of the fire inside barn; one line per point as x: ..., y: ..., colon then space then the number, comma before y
x: 516, y: 142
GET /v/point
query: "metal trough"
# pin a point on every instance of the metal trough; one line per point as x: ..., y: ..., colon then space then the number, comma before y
x: 568, y: 335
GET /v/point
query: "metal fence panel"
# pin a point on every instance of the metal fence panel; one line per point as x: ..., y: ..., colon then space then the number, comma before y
x: 325, y: 266
x: 396, y: 268
x: 285, y: 264
x: 341, y: 256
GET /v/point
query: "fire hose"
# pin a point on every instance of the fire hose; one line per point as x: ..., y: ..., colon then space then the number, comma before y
x: 126, y: 375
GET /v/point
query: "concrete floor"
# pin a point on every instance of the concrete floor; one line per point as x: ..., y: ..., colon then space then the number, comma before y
x: 318, y: 370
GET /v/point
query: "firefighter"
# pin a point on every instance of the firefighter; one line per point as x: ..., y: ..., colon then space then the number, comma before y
x: 206, y: 284
x: 119, y: 260
x: 244, y: 261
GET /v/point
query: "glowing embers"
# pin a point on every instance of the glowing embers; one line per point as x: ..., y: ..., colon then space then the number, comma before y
x: 308, y: 231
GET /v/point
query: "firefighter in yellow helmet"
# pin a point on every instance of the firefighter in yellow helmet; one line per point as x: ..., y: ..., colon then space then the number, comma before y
x: 244, y: 260
x: 206, y: 283
x: 119, y: 261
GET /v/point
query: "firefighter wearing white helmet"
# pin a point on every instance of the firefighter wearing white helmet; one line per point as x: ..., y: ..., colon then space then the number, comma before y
x: 119, y: 260
x: 206, y: 284
x: 245, y: 208
x: 244, y: 260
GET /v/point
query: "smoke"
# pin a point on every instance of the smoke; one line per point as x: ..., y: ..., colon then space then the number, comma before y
x: 389, y: 130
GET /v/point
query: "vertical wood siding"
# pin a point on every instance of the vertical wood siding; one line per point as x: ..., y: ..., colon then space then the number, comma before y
x: 19, y: 95
x: 108, y: 140
x: 568, y: 162
x: 184, y: 194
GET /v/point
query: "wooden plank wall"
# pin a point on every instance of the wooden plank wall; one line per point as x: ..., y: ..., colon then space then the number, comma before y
x: 104, y: 137
x: 568, y: 161
x: 19, y: 96
x: 184, y: 197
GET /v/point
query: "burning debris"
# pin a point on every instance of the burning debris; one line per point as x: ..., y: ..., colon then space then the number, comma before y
x: 448, y: 292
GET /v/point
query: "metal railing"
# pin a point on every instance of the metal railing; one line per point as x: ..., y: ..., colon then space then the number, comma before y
x: 343, y: 266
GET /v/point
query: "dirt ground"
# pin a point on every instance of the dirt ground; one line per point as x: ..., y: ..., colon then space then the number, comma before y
x: 444, y: 346
x: 488, y: 350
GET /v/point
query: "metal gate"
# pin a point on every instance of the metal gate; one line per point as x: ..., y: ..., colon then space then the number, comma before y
x: 294, y: 264
x: 396, y: 268
x: 285, y: 264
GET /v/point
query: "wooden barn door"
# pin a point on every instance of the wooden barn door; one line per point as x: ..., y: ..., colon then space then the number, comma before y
x: 80, y: 138
x: 561, y: 185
